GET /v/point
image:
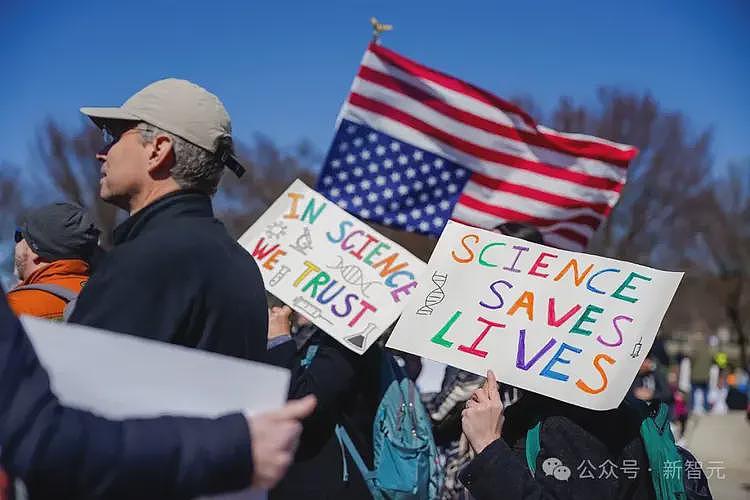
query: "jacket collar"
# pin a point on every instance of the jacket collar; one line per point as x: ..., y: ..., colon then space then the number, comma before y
x: 183, y: 203
x: 57, y: 268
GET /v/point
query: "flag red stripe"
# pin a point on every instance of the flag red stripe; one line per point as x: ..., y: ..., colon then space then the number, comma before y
x: 515, y: 215
x: 480, y: 151
x: 576, y: 147
x: 537, y: 194
x: 536, y: 139
x: 571, y: 235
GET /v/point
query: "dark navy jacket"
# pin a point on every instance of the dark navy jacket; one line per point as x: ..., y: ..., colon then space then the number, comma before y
x: 347, y: 388
x: 176, y: 275
x: 64, y: 453
x: 602, y: 450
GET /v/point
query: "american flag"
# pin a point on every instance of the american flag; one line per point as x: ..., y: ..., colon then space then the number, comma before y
x: 416, y: 147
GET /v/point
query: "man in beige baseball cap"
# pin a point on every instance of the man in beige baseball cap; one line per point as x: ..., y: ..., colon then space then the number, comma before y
x: 175, y: 274
x: 196, y: 124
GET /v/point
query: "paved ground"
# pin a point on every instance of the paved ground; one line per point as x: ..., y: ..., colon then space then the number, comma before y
x: 722, y: 444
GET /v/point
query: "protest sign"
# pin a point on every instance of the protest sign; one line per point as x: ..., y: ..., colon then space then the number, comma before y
x: 351, y: 281
x: 572, y: 326
x: 122, y: 376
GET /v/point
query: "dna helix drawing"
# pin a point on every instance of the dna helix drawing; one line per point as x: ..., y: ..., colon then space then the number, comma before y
x: 353, y: 275
x: 435, y: 296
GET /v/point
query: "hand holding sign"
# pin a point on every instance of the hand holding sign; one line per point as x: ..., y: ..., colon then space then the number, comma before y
x: 482, y: 420
x: 278, y: 322
x: 571, y: 326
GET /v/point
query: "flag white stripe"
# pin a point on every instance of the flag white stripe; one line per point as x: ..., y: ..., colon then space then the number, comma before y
x: 480, y: 108
x: 372, y: 61
x: 457, y: 99
x: 584, y: 137
x: 491, y: 169
x: 529, y: 206
x: 558, y: 241
x: 480, y: 219
x: 486, y: 139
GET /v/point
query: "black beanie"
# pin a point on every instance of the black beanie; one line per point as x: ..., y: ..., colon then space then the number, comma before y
x: 60, y: 231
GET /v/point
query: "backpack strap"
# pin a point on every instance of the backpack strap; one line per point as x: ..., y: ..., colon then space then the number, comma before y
x: 345, y: 440
x: 66, y: 294
x: 533, y: 446
x: 312, y: 350
x: 344, y: 465
x: 58, y: 291
x: 411, y: 403
x: 68, y: 311
x: 662, y: 452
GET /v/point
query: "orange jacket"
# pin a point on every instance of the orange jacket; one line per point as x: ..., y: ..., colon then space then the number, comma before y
x: 70, y: 273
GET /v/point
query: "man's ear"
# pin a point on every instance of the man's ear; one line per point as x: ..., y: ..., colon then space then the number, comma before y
x: 161, y: 155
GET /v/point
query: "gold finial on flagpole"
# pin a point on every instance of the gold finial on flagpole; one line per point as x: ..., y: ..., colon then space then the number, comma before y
x: 378, y: 28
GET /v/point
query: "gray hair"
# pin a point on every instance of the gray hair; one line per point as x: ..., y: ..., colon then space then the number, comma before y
x: 194, y: 167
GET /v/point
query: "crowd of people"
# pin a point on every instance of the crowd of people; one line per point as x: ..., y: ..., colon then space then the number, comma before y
x: 175, y: 275
x: 701, y: 382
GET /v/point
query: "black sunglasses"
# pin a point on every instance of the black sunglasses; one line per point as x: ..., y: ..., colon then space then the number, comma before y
x: 19, y: 235
x: 112, y: 133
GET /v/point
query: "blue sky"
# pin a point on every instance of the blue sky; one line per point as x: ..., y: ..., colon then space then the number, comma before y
x: 283, y: 68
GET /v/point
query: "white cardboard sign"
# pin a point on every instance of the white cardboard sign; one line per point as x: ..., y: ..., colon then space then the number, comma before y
x: 121, y: 376
x: 572, y: 326
x: 350, y: 280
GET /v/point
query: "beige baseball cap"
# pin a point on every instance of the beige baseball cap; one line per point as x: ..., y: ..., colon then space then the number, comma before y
x: 181, y: 108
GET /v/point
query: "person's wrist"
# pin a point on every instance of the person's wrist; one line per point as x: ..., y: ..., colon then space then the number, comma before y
x: 273, y: 335
x: 484, y: 442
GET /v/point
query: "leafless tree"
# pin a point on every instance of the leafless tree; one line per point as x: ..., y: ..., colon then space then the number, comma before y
x: 270, y: 171
x: 722, y: 223
x: 68, y: 170
x: 11, y: 206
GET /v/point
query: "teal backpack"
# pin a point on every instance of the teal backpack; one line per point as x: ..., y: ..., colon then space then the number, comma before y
x: 658, y: 442
x: 405, y: 457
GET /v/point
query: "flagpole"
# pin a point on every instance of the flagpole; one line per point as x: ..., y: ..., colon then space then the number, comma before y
x: 378, y: 28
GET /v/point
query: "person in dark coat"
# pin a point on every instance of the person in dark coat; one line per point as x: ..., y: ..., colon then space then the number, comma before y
x: 594, y: 446
x: 61, y: 452
x: 347, y: 388
x: 174, y: 274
